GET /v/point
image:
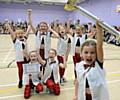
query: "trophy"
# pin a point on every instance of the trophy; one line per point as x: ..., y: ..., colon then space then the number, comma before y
x: 71, y: 5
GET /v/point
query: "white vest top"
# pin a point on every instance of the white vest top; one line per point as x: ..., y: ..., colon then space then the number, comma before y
x: 47, y: 40
x: 74, y: 41
x: 34, y: 70
x: 96, y: 80
x: 62, y: 46
x: 19, y: 49
x: 48, y: 70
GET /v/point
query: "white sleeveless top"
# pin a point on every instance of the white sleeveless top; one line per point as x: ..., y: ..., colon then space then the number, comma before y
x: 74, y: 41
x: 62, y: 46
x: 19, y: 49
x: 48, y: 70
x: 96, y: 80
x: 47, y: 40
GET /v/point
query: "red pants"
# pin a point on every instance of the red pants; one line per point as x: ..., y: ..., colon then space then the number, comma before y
x: 61, y: 70
x: 53, y: 86
x: 76, y: 59
x: 20, y: 70
x: 27, y: 90
x: 39, y: 87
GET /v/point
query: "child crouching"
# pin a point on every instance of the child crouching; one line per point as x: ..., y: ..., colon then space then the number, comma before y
x: 32, y: 75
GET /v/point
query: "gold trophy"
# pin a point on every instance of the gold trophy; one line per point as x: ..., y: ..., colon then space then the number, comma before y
x: 71, y: 5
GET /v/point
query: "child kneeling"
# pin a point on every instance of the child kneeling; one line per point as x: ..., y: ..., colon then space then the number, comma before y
x: 51, y: 74
x: 32, y: 75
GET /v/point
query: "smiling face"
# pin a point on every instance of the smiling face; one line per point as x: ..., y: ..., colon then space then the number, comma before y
x: 43, y: 27
x: 61, y: 30
x: 20, y: 34
x: 79, y: 30
x: 33, y: 56
x: 89, y: 52
x: 52, y: 54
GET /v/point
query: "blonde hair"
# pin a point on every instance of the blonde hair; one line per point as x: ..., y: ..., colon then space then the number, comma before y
x: 89, y: 42
x: 61, y: 26
x: 33, y: 51
x: 81, y: 28
x: 19, y: 31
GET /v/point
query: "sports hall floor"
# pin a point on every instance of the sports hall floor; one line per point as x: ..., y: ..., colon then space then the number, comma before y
x: 8, y: 74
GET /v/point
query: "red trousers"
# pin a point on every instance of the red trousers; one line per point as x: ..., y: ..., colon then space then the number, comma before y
x: 28, y: 87
x: 76, y: 59
x: 39, y: 87
x: 53, y: 86
x: 61, y: 70
x: 20, y: 70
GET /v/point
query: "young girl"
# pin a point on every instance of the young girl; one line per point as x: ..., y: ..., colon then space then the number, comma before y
x: 19, y: 38
x: 51, y: 76
x: 91, y: 83
x: 43, y: 37
x: 32, y: 75
x: 63, y: 50
x: 78, y: 39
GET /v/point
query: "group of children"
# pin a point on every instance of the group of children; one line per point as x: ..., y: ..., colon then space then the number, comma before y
x: 51, y: 63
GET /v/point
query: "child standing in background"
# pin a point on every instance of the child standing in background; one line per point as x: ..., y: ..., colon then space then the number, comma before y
x: 19, y: 38
x: 77, y: 39
x: 63, y: 50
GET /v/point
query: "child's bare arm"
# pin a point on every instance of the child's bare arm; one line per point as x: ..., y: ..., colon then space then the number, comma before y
x: 25, y: 52
x: 28, y: 31
x: 12, y: 33
x: 26, y: 55
x: 70, y: 31
x: 30, y: 20
x: 99, y: 42
x: 41, y: 74
x: 90, y: 35
x: 41, y: 61
x: 61, y: 65
x: 76, y: 90
x: 68, y: 50
x: 54, y: 33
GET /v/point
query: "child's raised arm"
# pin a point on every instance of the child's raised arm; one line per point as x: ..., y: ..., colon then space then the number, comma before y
x: 28, y: 31
x: 55, y: 34
x: 69, y: 29
x: 68, y: 49
x: 30, y: 20
x: 99, y: 42
x: 12, y: 33
x: 25, y: 53
x: 40, y: 60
